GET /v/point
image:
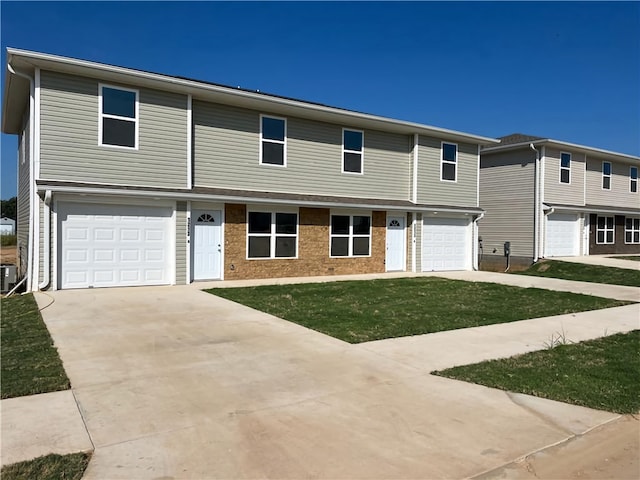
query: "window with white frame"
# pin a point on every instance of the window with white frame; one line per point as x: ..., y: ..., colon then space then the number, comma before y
x: 565, y: 168
x: 350, y: 236
x: 633, y: 179
x: 352, y: 151
x: 272, y: 235
x: 273, y: 141
x: 632, y: 230
x: 448, y: 168
x: 605, y: 230
x: 118, y: 117
x: 606, y: 175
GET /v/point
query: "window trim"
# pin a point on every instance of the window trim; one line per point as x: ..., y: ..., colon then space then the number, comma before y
x: 361, y: 152
x: 272, y: 234
x: 443, y: 161
x: 606, y: 176
x: 101, y: 116
x: 633, y: 181
x: 568, y: 169
x: 605, y: 230
x: 268, y: 140
x: 633, y: 230
x: 351, y: 235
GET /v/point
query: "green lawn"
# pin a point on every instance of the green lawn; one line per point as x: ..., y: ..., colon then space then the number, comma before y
x: 49, y: 467
x: 361, y: 311
x: 30, y: 362
x: 601, y: 374
x: 584, y: 273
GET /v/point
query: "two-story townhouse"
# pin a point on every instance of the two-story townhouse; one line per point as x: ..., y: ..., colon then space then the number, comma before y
x: 128, y: 177
x: 552, y: 199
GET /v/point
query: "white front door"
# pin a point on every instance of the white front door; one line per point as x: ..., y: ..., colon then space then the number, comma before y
x: 207, y: 247
x: 395, y: 260
x: 563, y: 235
x: 446, y: 244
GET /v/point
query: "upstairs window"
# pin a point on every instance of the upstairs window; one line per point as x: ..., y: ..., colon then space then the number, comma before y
x: 273, y: 141
x: 448, y: 166
x: 633, y: 179
x: 352, y: 151
x: 272, y: 235
x: 606, y: 175
x: 350, y: 236
x: 565, y: 168
x: 118, y: 117
x: 632, y: 230
x: 605, y: 230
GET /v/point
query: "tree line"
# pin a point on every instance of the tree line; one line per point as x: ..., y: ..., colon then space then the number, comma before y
x: 8, y: 208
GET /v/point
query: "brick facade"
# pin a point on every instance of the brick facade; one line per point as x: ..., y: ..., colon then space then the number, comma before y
x: 313, y: 248
x: 618, y: 247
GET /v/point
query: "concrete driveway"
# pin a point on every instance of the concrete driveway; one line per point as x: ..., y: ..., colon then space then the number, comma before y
x: 173, y: 382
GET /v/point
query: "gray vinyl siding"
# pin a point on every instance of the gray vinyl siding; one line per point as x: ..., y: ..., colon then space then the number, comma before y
x: 409, y: 241
x: 507, y: 185
x: 22, y: 220
x: 619, y: 195
x: 69, y: 136
x: 418, y: 233
x: 181, y: 243
x: 432, y: 190
x: 563, y: 193
x: 226, y: 155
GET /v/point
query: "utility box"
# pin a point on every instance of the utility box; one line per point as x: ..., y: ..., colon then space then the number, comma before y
x: 8, y: 277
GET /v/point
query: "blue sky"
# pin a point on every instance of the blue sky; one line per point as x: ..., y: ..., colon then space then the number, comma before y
x: 568, y: 71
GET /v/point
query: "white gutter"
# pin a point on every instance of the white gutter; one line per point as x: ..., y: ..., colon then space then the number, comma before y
x: 32, y: 185
x: 252, y: 96
x: 46, y: 268
x: 245, y: 199
x: 474, y: 250
x: 536, y: 204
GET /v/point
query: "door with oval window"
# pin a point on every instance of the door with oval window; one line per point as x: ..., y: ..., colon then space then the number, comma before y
x: 206, y: 239
x: 396, y: 241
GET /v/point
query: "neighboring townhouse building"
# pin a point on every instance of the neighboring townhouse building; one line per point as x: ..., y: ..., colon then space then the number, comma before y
x: 128, y: 177
x: 554, y: 199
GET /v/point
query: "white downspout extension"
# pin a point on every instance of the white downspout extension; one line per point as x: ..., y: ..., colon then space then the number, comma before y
x: 46, y: 267
x: 536, y: 208
x: 476, y: 245
x: 32, y: 94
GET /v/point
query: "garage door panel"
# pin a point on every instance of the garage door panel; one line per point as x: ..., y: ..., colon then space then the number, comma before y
x: 446, y: 244
x: 114, y: 245
x: 562, y: 235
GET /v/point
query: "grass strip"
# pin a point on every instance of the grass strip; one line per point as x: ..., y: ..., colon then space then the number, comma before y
x: 601, y: 374
x: 49, y: 467
x: 361, y: 311
x: 584, y: 273
x: 30, y: 362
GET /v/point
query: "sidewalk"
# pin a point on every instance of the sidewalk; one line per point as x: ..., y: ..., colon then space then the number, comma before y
x: 42, y: 424
x: 603, y: 260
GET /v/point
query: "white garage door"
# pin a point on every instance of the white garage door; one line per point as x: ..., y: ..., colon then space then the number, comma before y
x: 114, y: 245
x: 562, y: 237
x: 446, y: 244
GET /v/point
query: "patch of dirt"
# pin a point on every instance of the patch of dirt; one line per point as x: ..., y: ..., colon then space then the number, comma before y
x: 608, y: 452
x: 9, y: 255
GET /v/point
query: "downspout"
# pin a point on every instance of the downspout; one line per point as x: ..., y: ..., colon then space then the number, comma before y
x: 536, y: 205
x: 46, y: 267
x: 32, y: 95
x: 476, y: 243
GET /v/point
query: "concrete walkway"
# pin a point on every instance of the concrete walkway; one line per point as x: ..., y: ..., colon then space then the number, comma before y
x: 174, y: 382
x: 604, y: 260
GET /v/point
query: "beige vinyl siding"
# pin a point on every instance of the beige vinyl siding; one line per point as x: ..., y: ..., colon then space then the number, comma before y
x: 226, y: 155
x: 619, y: 195
x: 507, y: 184
x: 418, y: 233
x: 563, y: 193
x: 409, y: 240
x: 181, y: 243
x: 432, y: 190
x: 69, y: 136
x: 22, y: 214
